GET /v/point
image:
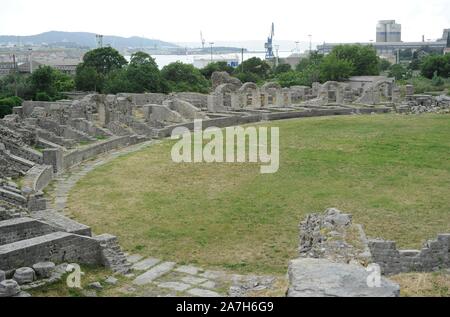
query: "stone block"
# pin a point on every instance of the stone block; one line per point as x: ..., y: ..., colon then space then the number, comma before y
x: 44, y: 269
x: 9, y: 288
x: 323, y: 278
x: 24, y: 275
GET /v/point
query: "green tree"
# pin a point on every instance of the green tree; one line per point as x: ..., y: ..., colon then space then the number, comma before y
x: 88, y: 79
x: 184, y: 77
x: 104, y: 60
x: 398, y: 71
x: 216, y: 67
x: 384, y: 65
x: 314, y: 59
x: 437, y: 80
x: 292, y: 78
x: 143, y: 74
x: 335, y: 69
x: 256, y: 68
x: 96, y: 67
x: 436, y: 63
x: 282, y: 68
x: 43, y: 80
x: 7, y: 104
x: 364, y: 58
x: 21, y: 82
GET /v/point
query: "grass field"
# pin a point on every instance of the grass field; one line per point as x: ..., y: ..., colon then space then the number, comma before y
x: 391, y: 172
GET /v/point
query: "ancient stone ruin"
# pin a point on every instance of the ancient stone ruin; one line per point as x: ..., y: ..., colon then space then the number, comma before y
x: 335, y: 257
x: 42, y: 140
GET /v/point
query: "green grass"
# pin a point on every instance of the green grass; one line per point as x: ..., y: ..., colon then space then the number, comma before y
x: 391, y: 172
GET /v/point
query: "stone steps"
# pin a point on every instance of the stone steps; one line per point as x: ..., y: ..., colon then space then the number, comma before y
x: 18, y: 229
x: 61, y: 222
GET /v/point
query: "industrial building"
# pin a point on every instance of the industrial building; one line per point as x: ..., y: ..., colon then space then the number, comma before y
x: 389, y: 31
x: 389, y: 43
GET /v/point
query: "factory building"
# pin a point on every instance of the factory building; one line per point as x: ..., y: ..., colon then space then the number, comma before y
x: 389, y: 31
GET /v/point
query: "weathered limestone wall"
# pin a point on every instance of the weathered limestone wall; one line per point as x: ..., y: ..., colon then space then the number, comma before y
x: 58, y: 247
x: 434, y: 255
x: 145, y: 99
x: 22, y: 228
x: 13, y: 198
x: 81, y: 155
x: 38, y: 177
x: 196, y: 99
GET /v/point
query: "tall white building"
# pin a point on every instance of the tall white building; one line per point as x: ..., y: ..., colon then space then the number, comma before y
x: 389, y: 31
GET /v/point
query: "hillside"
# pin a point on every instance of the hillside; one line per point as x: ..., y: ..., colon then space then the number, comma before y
x: 84, y: 39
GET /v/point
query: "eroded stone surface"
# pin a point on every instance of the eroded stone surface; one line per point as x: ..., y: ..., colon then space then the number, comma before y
x: 24, y: 275
x: 323, y: 278
x: 9, y: 288
x: 44, y: 269
x: 154, y: 273
x: 146, y: 264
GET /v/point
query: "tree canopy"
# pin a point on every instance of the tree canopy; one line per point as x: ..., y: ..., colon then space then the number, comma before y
x: 184, y: 77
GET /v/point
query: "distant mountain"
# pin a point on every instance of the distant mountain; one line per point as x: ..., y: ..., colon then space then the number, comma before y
x: 84, y: 39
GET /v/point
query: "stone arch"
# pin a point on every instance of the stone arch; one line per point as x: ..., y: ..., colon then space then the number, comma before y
x: 249, y: 96
x: 332, y: 92
x: 271, y: 95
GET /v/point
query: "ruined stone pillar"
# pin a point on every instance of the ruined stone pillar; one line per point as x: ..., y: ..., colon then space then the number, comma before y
x: 256, y: 100
x: 53, y: 157
x: 409, y: 90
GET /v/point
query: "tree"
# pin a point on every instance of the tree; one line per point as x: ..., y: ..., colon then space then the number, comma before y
x: 398, y: 72
x: 314, y: 59
x: 282, y: 68
x: 216, y: 67
x: 335, y: 69
x: 143, y: 74
x: 292, y: 78
x: 7, y: 104
x: 257, y: 68
x: 104, y: 60
x: 43, y: 80
x: 97, y: 65
x: 88, y: 79
x: 384, y: 65
x: 364, y: 58
x: 9, y: 83
x: 184, y: 77
x: 436, y: 63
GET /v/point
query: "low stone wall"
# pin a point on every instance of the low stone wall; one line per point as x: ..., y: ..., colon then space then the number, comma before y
x: 434, y: 255
x: 218, y: 122
x: 38, y: 177
x: 196, y: 99
x: 22, y: 228
x: 58, y: 247
x: 78, y: 156
x: 145, y: 99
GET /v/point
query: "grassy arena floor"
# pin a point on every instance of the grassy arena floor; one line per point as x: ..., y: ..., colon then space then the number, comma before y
x: 391, y: 172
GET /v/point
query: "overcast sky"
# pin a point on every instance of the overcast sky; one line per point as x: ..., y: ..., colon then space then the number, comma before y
x: 227, y: 20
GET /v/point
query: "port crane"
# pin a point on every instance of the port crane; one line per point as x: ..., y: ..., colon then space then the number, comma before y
x: 269, y: 44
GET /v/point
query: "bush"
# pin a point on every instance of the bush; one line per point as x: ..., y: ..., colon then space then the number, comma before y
x: 182, y: 77
x: 7, y: 104
x: 439, y: 64
x: 42, y: 96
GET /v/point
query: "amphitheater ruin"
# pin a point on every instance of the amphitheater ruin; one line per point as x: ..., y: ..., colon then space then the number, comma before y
x: 43, y: 140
